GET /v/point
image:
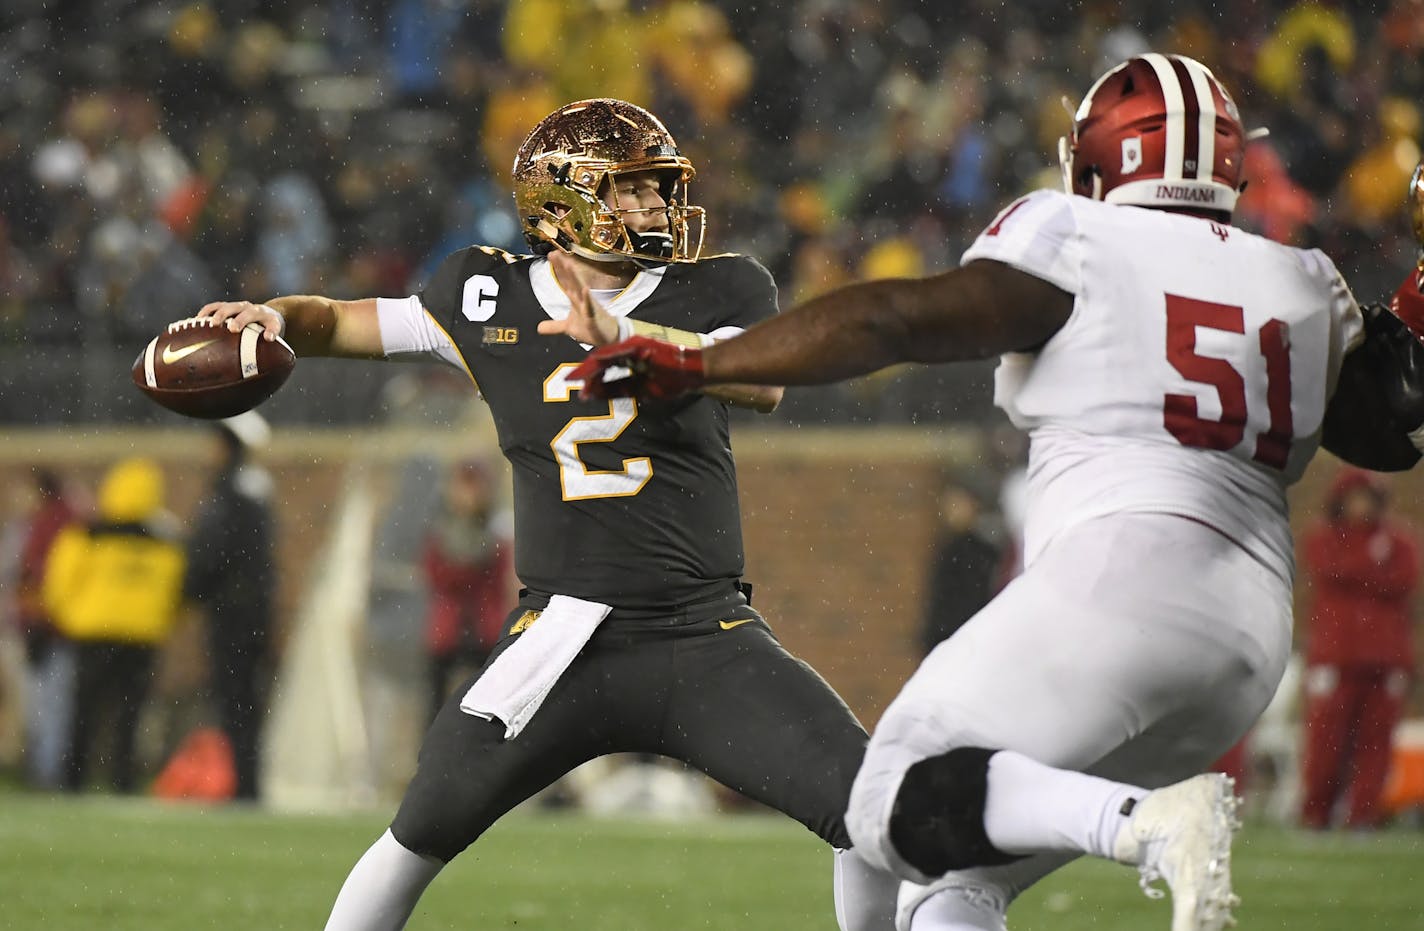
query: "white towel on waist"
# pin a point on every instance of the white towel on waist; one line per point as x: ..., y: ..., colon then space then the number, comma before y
x: 513, y: 687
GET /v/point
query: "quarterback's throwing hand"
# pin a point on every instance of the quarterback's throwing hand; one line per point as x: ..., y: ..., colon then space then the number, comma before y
x: 640, y: 367
x: 237, y: 314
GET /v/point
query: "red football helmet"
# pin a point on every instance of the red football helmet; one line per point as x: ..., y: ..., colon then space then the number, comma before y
x: 1156, y: 131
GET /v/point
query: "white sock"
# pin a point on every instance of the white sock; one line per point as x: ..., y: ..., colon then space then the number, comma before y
x: 383, y: 887
x: 1031, y: 807
x: 865, y: 897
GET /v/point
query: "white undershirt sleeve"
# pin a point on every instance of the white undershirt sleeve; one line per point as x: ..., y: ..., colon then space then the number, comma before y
x: 410, y: 334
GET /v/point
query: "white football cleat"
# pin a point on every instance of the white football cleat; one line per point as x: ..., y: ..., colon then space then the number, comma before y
x: 1182, y: 834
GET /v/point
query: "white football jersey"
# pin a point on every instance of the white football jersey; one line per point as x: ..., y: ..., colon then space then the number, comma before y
x: 1191, y: 378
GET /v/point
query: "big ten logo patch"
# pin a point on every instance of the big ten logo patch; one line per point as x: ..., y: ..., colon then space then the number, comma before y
x: 478, y: 302
x: 501, y: 335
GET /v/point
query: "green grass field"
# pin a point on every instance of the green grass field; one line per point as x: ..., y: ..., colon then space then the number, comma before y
x: 121, y: 865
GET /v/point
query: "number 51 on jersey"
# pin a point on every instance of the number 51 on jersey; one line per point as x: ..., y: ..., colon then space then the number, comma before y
x: 1179, y: 411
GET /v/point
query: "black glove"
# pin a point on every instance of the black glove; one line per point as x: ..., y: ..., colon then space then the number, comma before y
x: 1397, y: 358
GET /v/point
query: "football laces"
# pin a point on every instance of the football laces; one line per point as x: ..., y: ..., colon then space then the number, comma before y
x: 188, y: 323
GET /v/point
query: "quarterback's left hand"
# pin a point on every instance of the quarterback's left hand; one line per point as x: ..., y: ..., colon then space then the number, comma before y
x: 639, y: 367
x: 587, y: 322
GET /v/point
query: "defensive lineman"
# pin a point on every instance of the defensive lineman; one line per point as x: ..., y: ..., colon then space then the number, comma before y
x: 1176, y: 374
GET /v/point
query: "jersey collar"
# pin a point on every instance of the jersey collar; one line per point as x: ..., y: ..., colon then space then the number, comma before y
x: 556, y: 304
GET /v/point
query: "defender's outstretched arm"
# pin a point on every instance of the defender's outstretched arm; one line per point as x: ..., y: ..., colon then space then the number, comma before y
x: 977, y: 311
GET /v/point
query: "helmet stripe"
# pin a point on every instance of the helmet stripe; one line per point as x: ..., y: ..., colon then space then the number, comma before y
x: 1175, y: 107
x: 1191, y: 121
x: 1202, y: 80
x: 1086, y: 106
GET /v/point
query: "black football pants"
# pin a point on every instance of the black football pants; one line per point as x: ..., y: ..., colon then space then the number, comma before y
x: 728, y: 700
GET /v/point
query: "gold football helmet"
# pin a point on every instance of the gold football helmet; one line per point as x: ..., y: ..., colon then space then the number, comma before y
x: 569, y: 162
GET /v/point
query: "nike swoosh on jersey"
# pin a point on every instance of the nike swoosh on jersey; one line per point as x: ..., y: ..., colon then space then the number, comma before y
x: 728, y: 625
x: 169, y: 356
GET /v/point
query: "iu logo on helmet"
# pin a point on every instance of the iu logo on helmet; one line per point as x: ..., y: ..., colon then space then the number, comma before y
x: 1131, y: 154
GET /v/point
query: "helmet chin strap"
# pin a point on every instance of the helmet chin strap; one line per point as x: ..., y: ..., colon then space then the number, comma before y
x: 607, y: 258
x: 655, y: 250
x: 658, y: 247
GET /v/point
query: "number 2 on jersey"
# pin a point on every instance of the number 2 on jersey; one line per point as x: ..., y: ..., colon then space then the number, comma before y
x: 575, y: 479
x: 1179, y: 411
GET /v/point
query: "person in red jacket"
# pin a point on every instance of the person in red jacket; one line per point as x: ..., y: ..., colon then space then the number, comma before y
x: 467, y: 563
x: 1364, y: 567
x: 49, y: 655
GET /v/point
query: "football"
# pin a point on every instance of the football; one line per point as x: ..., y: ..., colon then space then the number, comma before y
x: 199, y: 369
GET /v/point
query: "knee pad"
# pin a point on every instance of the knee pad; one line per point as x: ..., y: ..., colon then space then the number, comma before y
x: 937, y: 822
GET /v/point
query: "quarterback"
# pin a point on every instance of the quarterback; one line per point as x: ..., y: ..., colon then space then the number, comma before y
x: 634, y: 632
x: 1175, y: 374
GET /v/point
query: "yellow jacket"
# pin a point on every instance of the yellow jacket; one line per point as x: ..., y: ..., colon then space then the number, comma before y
x: 120, y: 578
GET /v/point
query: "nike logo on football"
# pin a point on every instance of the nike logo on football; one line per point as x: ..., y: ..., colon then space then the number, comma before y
x: 728, y: 625
x: 169, y: 356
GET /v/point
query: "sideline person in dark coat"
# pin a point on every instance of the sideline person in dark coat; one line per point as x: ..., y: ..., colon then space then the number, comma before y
x: 232, y: 575
x: 962, y: 570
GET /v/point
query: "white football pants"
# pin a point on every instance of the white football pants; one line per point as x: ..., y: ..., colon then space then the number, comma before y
x: 1137, y: 647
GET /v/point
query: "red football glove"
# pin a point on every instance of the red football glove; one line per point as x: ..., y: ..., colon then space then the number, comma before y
x: 652, y: 369
x: 1408, y: 302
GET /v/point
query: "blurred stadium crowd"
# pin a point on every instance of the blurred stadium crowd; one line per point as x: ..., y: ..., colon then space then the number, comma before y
x: 154, y: 156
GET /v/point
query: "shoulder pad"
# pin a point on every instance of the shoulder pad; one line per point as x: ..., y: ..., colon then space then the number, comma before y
x: 476, y: 260
x: 736, y: 265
